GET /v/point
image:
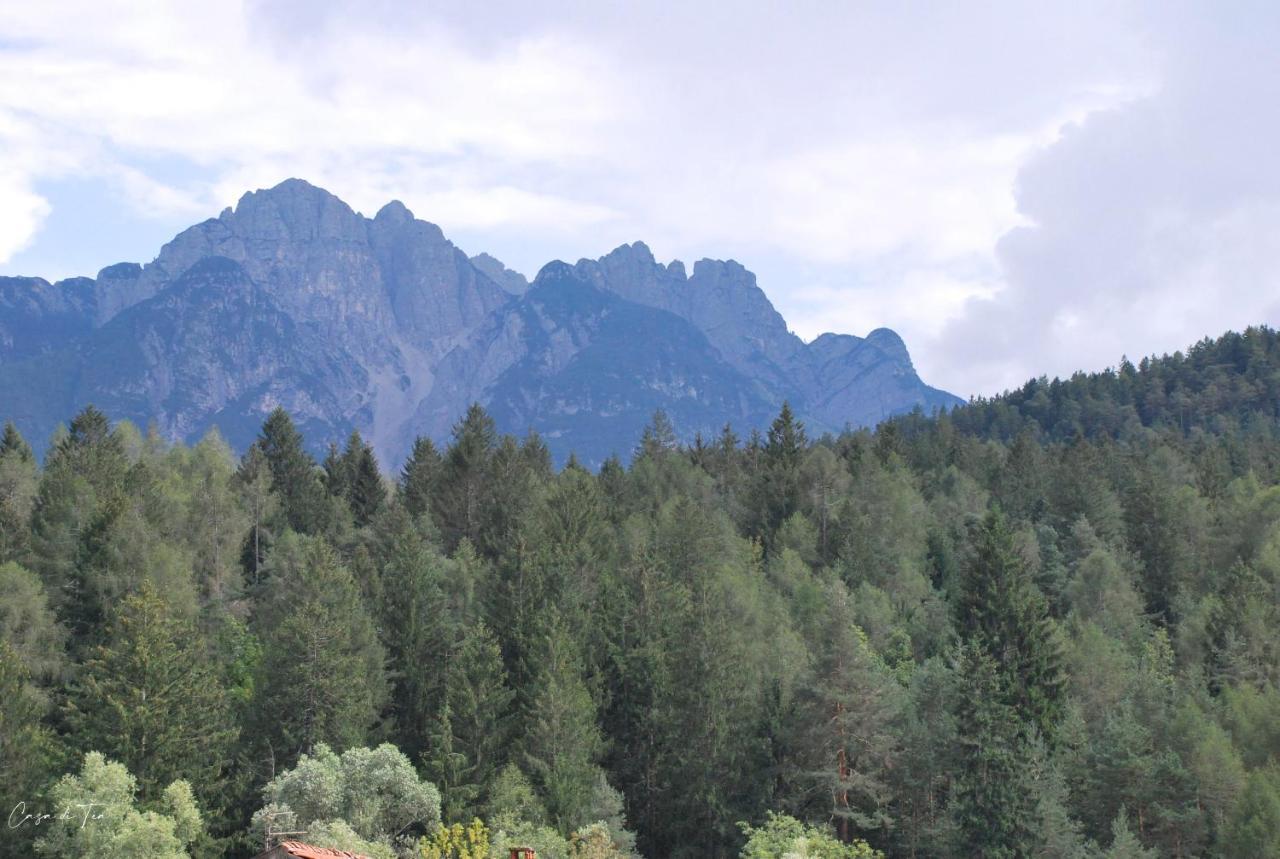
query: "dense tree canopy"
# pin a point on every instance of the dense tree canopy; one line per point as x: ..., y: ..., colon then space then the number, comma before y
x: 1045, y: 624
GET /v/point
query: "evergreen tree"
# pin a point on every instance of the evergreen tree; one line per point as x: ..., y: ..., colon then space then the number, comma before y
x: 658, y: 438
x: 468, y: 746
x: 363, y: 488
x: 562, y: 742
x: 1124, y: 844
x: 418, y: 630
x: 322, y: 676
x: 253, y: 484
x: 18, y: 481
x: 460, y: 504
x: 995, y: 805
x: 420, y: 476
x: 28, y: 751
x: 148, y: 699
x: 294, y: 477
x: 81, y: 497
x: 999, y: 610
x: 777, y: 489
x: 13, y: 444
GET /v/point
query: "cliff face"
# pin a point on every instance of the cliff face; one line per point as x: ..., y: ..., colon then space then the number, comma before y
x: 382, y: 324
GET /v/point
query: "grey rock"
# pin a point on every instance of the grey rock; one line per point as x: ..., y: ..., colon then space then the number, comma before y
x: 292, y: 298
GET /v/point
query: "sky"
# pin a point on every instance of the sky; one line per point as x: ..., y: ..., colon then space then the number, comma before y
x: 1019, y: 189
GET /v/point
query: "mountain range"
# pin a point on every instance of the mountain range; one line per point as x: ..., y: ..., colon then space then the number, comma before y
x: 381, y: 324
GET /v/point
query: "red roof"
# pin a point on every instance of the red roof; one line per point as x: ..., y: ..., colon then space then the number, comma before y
x: 306, y: 851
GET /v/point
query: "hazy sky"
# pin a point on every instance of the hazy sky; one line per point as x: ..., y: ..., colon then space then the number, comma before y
x: 1018, y: 189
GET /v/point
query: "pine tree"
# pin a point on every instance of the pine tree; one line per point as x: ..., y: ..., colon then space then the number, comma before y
x: 252, y: 482
x: 459, y: 505
x: 363, y: 488
x: 294, y: 477
x: 999, y: 610
x: 28, y: 753
x: 562, y: 742
x: 13, y: 444
x: 148, y: 699
x: 420, y: 476
x: 322, y: 676
x: 994, y: 806
x: 468, y: 746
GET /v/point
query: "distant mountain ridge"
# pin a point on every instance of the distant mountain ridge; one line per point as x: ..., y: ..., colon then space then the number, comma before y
x: 382, y: 324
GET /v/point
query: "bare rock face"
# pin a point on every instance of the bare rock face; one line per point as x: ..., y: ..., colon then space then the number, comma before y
x: 512, y: 281
x: 382, y: 324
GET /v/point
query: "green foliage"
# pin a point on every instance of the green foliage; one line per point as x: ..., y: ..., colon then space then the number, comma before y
x: 28, y: 626
x: 456, y: 842
x: 294, y: 477
x: 322, y: 676
x: 1254, y: 829
x: 562, y: 743
x: 420, y: 477
x: 784, y: 837
x: 994, y: 805
x: 102, y: 819
x: 1000, y: 612
x: 28, y: 749
x: 1124, y: 844
x: 471, y: 734
x: 836, y: 629
x: 147, y: 698
x: 373, y: 793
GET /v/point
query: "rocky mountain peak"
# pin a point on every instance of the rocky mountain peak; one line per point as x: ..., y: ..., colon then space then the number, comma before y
x: 888, y: 341
x: 382, y: 324
x: 512, y: 281
x: 394, y: 212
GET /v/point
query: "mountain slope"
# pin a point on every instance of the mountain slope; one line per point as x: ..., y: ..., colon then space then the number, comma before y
x: 382, y: 324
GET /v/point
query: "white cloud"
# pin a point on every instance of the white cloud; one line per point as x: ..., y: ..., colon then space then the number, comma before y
x: 1152, y: 225
x: 1016, y: 189
x: 21, y: 214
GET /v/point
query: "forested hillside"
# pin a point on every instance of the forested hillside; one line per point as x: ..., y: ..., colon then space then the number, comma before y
x: 1045, y: 625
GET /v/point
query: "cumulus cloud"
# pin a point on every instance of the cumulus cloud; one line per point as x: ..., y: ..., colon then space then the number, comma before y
x: 1149, y: 226
x: 1018, y: 190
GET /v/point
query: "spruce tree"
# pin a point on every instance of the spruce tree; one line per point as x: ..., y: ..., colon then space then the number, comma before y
x: 460, y: 504
x: 999, y: 611
x: 252, y: 483
x: 13, y: 444
x: 994, y: 805
x: 322, y: 677
x: 418, y: 631
x: 364, y: 490
x: 470, y: 740
x: 294, y: 477
x: 28, y: 750
x: 148, y: 699
x: 420, y: 476
x: 561, y: 742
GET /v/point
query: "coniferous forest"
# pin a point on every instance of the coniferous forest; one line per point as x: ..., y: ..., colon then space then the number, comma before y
x: 1045, y: 624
